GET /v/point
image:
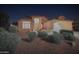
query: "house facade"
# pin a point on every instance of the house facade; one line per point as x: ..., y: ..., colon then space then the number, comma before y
x: 41, y: 23
x: 32, y: 23
x: 25, y: 24
x: 66, y: 24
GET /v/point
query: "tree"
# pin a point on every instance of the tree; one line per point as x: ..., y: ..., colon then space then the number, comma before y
x: 4, y: 20
x: 8, y: 40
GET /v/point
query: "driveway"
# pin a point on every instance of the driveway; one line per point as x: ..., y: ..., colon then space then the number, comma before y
x: 39, y: 46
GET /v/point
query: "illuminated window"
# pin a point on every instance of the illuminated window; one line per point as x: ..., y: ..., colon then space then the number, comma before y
x: 36, y: 20
x: 26, y: 25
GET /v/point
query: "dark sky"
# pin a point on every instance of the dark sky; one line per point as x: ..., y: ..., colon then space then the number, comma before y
x: 15, y: 11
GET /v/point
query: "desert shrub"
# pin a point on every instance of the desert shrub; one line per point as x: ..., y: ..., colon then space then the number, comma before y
x: 1, y: 29
x: 31, y: 36
x: 43, y: 34
x: 13, y: 29
x: 8, y: 41
x: 55, y: 38
x: 68, y: 35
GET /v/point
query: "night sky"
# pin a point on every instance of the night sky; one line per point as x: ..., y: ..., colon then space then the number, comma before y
x: 51, y: 11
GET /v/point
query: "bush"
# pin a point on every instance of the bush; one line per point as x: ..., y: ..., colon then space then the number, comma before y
x: 68, y: 35
x: 55, y: 38
x: 43, y: 35
x: 13, y: 29
x: 8, y: 41
x: 31, y: 36
x: 1, y: 29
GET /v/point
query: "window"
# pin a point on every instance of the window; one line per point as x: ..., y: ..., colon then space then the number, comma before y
x: 26, y: 25
x: 36, y: 20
